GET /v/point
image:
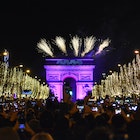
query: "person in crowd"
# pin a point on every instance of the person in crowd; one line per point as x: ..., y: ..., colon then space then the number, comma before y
x: 119, y: 126
x: 42, y: 136
x: 34, y: 124
x: 100, y: 133
x: 47, y: 121
x: 133, y: 130
x: 8, y: 133
x: 61, y: 127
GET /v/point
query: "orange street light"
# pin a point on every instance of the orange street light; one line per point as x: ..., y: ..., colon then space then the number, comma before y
x: 5, y: 53
x: 136, y: 51
x: 28, y: 71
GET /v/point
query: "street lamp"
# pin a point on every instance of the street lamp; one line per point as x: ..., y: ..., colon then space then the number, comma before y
x: 104, y: 75
x: 136, y: 51
x: 28, y: 71
x: 21, y: 66
x: 35, y: 77
x: 119, y: 65
x: 5, y: 53
x: 110, y: 71
x: 5, y: 57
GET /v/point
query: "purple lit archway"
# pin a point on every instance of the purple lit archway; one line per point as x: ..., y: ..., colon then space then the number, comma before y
x: 69, y: 87
x: 78, y: 72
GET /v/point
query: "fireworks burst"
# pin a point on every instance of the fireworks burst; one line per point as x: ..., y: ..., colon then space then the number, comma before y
x: 104, y: 44
x: 89, y: 44
x: 60, y: 42
x: 45, y: 47
x: 75, y: 45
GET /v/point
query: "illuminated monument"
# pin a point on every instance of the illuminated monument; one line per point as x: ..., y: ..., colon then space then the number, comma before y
x: 70, y: 76
x: 71, y: 71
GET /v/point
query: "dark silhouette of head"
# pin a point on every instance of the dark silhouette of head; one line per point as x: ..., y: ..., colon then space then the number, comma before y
x: 42, y: 136
x: 8, y: 133
x: 100, y: 133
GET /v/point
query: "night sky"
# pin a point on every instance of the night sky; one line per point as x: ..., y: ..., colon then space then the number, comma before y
x: 24, y: 23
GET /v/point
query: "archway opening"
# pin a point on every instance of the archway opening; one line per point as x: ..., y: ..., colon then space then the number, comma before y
x: 69, y: 89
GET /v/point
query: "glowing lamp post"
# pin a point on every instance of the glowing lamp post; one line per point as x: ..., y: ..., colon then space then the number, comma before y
x: 21, y: 66
x: 119, y: 65
x: 6, y: 57
x: 110, y: 71
x: 28, y: 71
x: 5, y: 53
x: 136, y: 51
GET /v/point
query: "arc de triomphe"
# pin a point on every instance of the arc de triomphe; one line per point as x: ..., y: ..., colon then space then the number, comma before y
x: 75, y: 75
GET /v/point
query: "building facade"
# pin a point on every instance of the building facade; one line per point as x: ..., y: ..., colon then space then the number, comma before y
x: 70, y: 76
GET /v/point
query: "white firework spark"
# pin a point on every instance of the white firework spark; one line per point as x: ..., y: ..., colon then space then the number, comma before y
x: 60, y: 42
x: 104, y: 44
x: 76, y: 44
x: 45, y: 47
x: 89, y: 44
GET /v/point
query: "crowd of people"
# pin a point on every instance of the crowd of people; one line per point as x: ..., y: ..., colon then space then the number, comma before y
x: 87, y: 119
